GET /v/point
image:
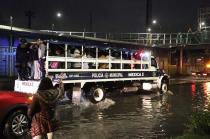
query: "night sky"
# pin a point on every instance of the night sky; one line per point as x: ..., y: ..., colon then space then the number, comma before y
x: 107, y: 15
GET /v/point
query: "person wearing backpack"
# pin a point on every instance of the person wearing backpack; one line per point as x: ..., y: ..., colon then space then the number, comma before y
x: 42, y: 109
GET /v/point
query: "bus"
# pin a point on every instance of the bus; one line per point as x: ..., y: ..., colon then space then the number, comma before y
x: 93, y: 71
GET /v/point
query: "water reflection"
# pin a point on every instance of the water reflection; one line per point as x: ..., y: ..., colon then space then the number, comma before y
x: 207, y: 95
x: 146, y: 116
x: 201, y: 96
x: 137, y: 116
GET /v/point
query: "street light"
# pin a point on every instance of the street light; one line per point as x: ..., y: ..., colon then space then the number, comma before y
x: 202, y: 25
x: 59, y: 14
x: 149, y: 29
x: 155, y: 22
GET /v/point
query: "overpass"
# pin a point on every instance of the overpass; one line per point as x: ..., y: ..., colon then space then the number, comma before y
x: 167, y: 40
x: 147, y: 39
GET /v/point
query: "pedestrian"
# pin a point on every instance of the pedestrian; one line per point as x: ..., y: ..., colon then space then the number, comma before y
x: 42, y: 109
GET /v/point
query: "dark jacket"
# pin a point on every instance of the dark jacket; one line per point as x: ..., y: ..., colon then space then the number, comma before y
x: 22, y: 53
x: 44, y: 101
x: 34, y: 53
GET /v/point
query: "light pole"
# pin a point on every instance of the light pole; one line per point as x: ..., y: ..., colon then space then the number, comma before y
x: 52, y: 27
x: 10, y: 47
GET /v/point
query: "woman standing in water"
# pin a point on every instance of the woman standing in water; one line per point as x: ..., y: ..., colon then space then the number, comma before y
x: 42, y: 109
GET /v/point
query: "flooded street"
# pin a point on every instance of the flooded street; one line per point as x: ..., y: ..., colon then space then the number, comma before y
x: 134, y: 116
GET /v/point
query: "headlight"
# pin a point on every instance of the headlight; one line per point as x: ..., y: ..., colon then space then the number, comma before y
x: 204, y: 74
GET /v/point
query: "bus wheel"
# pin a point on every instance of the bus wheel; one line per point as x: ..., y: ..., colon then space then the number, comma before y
x: 97, y: 94
x: 164, y: 87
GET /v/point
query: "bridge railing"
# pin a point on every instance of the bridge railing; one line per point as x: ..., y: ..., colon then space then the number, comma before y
x: 7, y: 60
x: 160, y: 39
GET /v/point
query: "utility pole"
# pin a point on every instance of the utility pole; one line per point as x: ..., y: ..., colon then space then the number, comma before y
x: 10, y: 64
x: 148, y: 13
x: 29, y: 14
x: 91, y: 21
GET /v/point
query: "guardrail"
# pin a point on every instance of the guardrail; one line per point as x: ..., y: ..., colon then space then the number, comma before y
x: 7, y: 61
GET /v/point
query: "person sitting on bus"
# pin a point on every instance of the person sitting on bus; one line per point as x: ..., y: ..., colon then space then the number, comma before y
x: 56, y: 64
x: 76, y: 65
x: 115, y: 55
x: 91, y: 56
x: 103, y: 65
x: 106, y: 56
x: 85, y: 64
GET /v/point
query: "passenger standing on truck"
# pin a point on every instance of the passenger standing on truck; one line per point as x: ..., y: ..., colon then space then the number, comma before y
x: 34, y: 59
x: 42, y: 56
x: 42, y: 109
x: 22, y: 55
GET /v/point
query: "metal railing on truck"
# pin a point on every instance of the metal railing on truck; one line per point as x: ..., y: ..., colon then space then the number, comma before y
x: 112, y: 63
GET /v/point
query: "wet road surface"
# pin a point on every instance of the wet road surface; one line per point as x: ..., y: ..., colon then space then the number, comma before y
x: 144, y: 115
x: 135, y: 116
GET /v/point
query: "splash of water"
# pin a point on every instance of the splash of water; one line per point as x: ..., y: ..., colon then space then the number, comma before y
x: 105, y: 104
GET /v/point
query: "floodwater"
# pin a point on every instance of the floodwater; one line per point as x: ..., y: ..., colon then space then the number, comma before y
x: 146, y: 115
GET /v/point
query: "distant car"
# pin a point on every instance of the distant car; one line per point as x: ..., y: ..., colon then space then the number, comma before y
x: 13, y: 113
x: 201, y: 74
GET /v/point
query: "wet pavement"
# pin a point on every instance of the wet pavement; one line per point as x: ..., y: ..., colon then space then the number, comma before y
x: 143, y: 115
x: 135, y: 116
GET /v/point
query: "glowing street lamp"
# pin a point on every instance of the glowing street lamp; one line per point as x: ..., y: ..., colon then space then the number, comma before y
x: 202, y: 25
x: 58, y: 14
x: 154, y: 22
x: 149, y: 29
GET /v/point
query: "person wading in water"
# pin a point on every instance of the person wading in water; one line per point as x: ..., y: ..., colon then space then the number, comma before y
x: 42, y: 109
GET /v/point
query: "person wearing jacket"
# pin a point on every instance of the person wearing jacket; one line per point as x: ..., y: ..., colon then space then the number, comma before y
x: 42, y: 109
x: 22, y: 56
